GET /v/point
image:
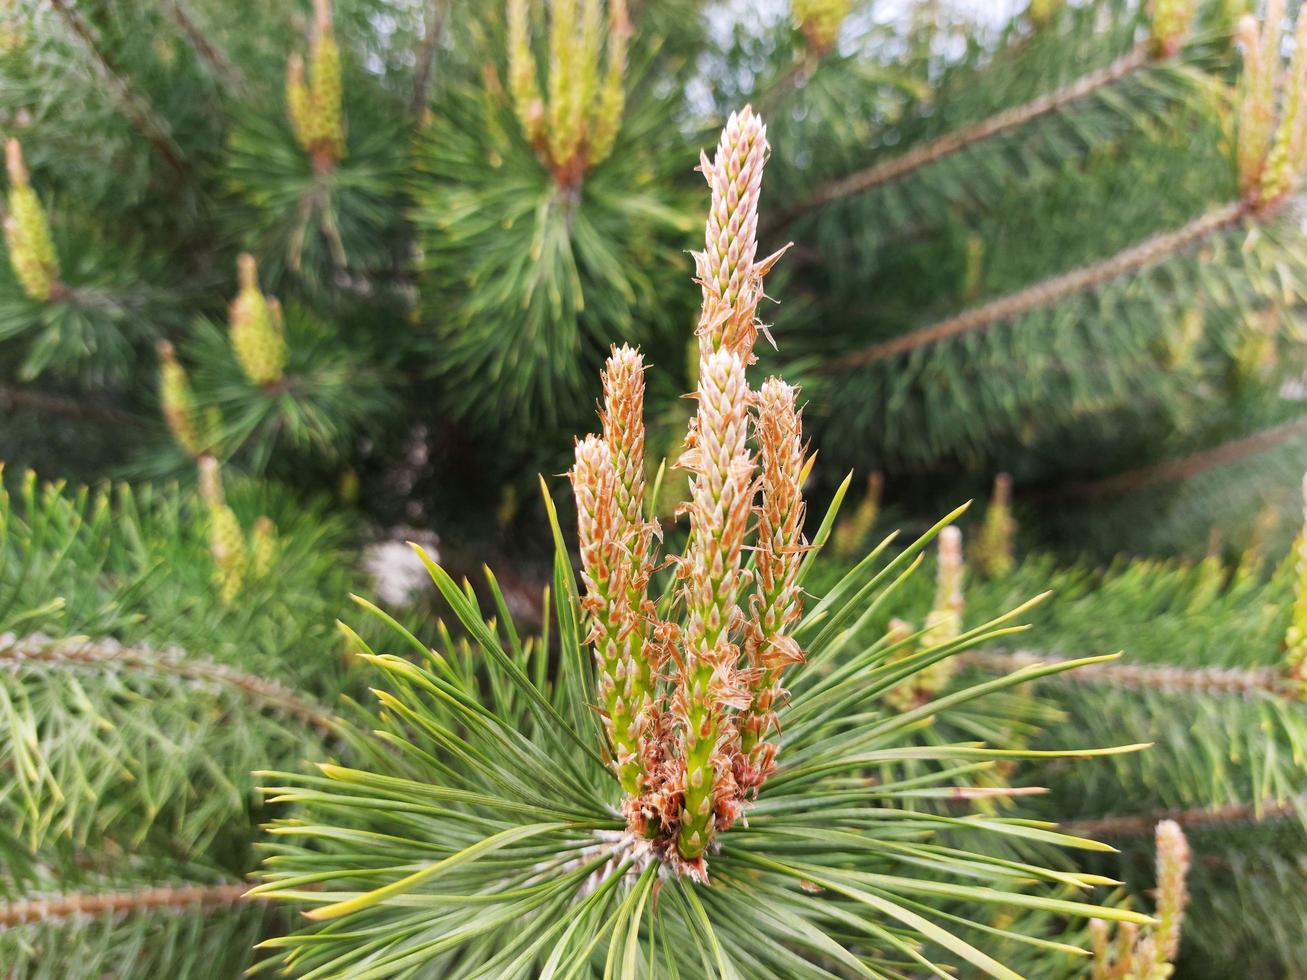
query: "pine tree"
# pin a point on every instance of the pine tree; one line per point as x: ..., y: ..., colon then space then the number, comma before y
x: 301, y: 271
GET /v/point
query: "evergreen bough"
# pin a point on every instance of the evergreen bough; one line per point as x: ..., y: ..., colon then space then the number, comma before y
x: 144, y: 674
x: 501, y: 826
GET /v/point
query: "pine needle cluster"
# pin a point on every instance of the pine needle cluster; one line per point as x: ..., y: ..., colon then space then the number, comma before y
x: 496, y: 829
x: 314, y: 102
x: 138, y: 701
x: 574, y: 123
x: 1212, y: 642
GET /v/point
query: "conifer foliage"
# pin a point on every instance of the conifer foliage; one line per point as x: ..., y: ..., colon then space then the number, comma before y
x: 278, y: 278
x: 156, y: 650
x: 549, y: 219
x: 1214, y: 643
x: 484, y: 836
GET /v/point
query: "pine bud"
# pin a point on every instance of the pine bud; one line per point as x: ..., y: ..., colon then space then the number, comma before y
x: 1170, y: 25
x: 730, y: 278
x: 1098, y: 939
x: 1284, y: 161
x: 1225, y: 15
x: 314, y: 104
x: 587, y: 54
x: 523, y: 83
x: 992, y: 553
x: 257, y: 333
x: 690, y: 744
x: 13, y: 32
x: 1172, y: 896
x: 944, y: 624
x: 210, y: 481
x: 1149, y: 954
x: 565, y: 110
x: 226, y: 539
x: 780, y: 517
x: 327, y: 88
x: 907, y: 694
x: 177, y: 402
x: 1180, y: 346
x: 265, y: 547
x: 347, y: 489
x: 1256, y: 349
x: 1295, y: 639
x: 1042, y: 12
x: 611, y: 102
x: 227, y: 544
x: 575, y: 125
x: 27, y: 232
x: 1127, y: 941
x: 777, y: 603
x: 614, y: 566
x: 820, y: 21
x: 721, y: 497
x: 898, y: 631
x: 299, y: 103
x: 974, y: 268
x: 1263, y: 530
x: 1261, y: 57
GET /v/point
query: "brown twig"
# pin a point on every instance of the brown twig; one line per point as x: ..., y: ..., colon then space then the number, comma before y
x: 140, y: 113
x: 209, y: 52
x: 16, y: 399
x: 949, y: 143
x: 38, y: 648
x: 432, y: 28
x: 1194, y: 817
x: 1204, y: 680
x: 31, y: 910
x: 1187, y: 466
x: 1042, y: 293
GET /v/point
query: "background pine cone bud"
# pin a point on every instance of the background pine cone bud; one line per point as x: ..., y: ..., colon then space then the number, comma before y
x: 257, y: 332
x: 992, y: 553
x: 574, y: 125
x: 820, y: 21
x: 315, y: 104
x: 27, y: 231
x: 226, y: 538
x: 1170, y: 25
x: 177, y: 402
x: 265, y: 547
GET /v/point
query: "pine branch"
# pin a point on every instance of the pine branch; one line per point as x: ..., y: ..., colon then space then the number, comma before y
x: 209, y: 53
x: 66, y: 906
x: 950, y: 143
x: 1171, y: 679
x: 137, y: 110
x: 17, y: 399
x: 1186, y: 467
x: 1199, y: 816
x: 485, y: 816
x: 39, y: 648
x: 1050, y: 290
x: 432, y: 28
